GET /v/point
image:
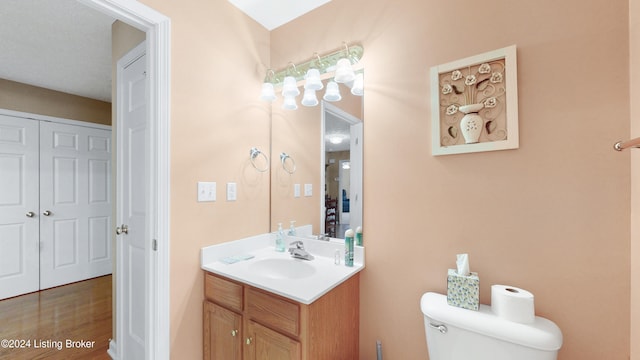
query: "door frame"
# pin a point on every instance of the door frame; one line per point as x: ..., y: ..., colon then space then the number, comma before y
x: 158, y: 33
x: 328, y: 108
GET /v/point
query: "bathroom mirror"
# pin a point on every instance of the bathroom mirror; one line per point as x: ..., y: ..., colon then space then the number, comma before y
x: 324, y: 174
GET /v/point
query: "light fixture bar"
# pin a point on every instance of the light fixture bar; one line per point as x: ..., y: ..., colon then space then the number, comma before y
x: 325, y: 64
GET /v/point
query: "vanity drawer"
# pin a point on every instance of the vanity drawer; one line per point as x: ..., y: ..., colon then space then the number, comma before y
x: 224, y: 292
x: 273, y: 311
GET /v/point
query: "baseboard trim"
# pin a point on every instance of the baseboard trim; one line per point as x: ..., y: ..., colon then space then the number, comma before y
x: 112, y: 351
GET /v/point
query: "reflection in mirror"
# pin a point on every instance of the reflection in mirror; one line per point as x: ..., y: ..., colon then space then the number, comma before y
x: 342, y: 159
x: 301, y: 135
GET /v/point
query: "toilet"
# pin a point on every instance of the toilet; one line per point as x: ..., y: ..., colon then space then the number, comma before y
x: 458, y: 334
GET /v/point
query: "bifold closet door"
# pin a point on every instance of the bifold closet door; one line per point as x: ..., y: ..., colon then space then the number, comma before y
x: 19, y: 238
x: 75, y: 203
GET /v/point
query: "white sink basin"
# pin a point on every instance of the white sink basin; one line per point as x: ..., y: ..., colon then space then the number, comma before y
x: 282, y: 268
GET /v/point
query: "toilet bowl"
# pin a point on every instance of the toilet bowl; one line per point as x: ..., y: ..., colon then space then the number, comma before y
x: 458, y: 334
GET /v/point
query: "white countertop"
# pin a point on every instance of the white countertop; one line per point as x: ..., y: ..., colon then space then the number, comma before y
x: 327, y: 274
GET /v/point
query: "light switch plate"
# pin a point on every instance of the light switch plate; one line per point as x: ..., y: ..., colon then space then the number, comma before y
x: 231, y: 191
x: 296, y: 190
x: 206, y: 191
x: 308, y: 189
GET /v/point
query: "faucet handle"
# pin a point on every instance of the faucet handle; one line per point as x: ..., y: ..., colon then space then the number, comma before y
x: 299, y: 244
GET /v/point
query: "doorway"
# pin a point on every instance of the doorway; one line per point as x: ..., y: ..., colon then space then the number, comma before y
x: 156, y: 183
x: 341, y: 166
x: 156, y: 287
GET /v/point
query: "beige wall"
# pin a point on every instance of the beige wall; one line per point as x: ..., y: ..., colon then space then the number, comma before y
x: 216, y: 118
x: 551, y: 217
x: 36, y: 100
x: 634, y: 41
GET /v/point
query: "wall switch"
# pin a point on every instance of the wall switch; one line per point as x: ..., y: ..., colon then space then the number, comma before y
x: 296, y: 190
x: 206, y: 191
x: 308, y: 189
x: 231, y: 192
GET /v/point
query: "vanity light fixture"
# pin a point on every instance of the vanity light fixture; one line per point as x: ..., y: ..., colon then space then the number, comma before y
x: 344, y: 70
x: 338, y: 65
x: 312, y: 78
x: 290, y: 86
x: 290, y: 103
x: 309, y: 98
x: 333, y: 92
x: 358, y: 85
x: 268, y: 93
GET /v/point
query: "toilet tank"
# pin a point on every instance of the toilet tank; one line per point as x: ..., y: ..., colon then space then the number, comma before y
x: 458, y: 334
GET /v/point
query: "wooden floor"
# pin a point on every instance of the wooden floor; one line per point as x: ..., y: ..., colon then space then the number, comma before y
x: 67, y: 322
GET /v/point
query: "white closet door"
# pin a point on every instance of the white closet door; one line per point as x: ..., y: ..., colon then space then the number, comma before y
x: 75, y: 203
x: 18, y: 206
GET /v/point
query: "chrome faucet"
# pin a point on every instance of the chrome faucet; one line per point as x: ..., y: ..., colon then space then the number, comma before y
x: 298, y: 252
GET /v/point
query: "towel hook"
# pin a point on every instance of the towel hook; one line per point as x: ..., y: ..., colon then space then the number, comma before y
x: 253, y: 154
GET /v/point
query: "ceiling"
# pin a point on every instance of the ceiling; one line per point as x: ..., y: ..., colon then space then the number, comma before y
x: 56, y: 44
x: 273, y: 13
x: 335, y: 126
x: 66, y: 46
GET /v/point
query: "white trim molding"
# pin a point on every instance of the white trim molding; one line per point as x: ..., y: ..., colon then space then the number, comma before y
x: 54, y: 119
x: 158, y: 35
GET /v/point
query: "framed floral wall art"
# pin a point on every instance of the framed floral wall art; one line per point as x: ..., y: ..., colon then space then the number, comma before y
x: 474, y: 104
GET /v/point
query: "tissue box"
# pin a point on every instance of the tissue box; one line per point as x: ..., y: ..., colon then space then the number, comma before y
x: 463, y: 291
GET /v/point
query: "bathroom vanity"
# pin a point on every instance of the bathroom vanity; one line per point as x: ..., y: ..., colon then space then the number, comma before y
x: 273, y: 307
x: 243, y: 322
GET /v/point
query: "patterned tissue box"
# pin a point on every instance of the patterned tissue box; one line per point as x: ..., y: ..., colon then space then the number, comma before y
x: 463, y: 291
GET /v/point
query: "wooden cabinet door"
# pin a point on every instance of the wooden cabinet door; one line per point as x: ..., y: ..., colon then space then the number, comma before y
x: 222, y: 333
x: 265, y: 344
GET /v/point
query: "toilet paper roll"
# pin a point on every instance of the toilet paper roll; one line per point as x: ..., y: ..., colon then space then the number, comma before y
x: 513, y: 304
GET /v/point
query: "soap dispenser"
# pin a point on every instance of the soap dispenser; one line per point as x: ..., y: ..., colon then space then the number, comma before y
x: 292, y: 229
x: 280, y: 239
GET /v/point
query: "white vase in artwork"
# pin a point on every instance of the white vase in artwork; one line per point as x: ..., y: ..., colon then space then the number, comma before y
x: 471, y: 123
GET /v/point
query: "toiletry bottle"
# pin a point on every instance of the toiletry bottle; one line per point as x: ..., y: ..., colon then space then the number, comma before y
x: 348, y: 248
x: 359, y: 236
x: 292, y: 229
x: 280, y: 239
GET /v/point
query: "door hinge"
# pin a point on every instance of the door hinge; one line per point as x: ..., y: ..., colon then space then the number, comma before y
x: 154, y: 245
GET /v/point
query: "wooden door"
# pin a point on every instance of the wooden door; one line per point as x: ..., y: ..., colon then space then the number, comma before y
x: 265, y: 344
x: 75, y: 203
x: 19, y: 203
x: 222, y: 333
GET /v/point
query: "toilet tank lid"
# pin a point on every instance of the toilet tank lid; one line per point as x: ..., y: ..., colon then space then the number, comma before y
x: 542, y: 334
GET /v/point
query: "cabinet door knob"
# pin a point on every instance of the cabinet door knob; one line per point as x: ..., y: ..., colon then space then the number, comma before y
x: 234, y: 333
x: 46, y: 213
x: 249, y: 341
x: 31, y: 214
